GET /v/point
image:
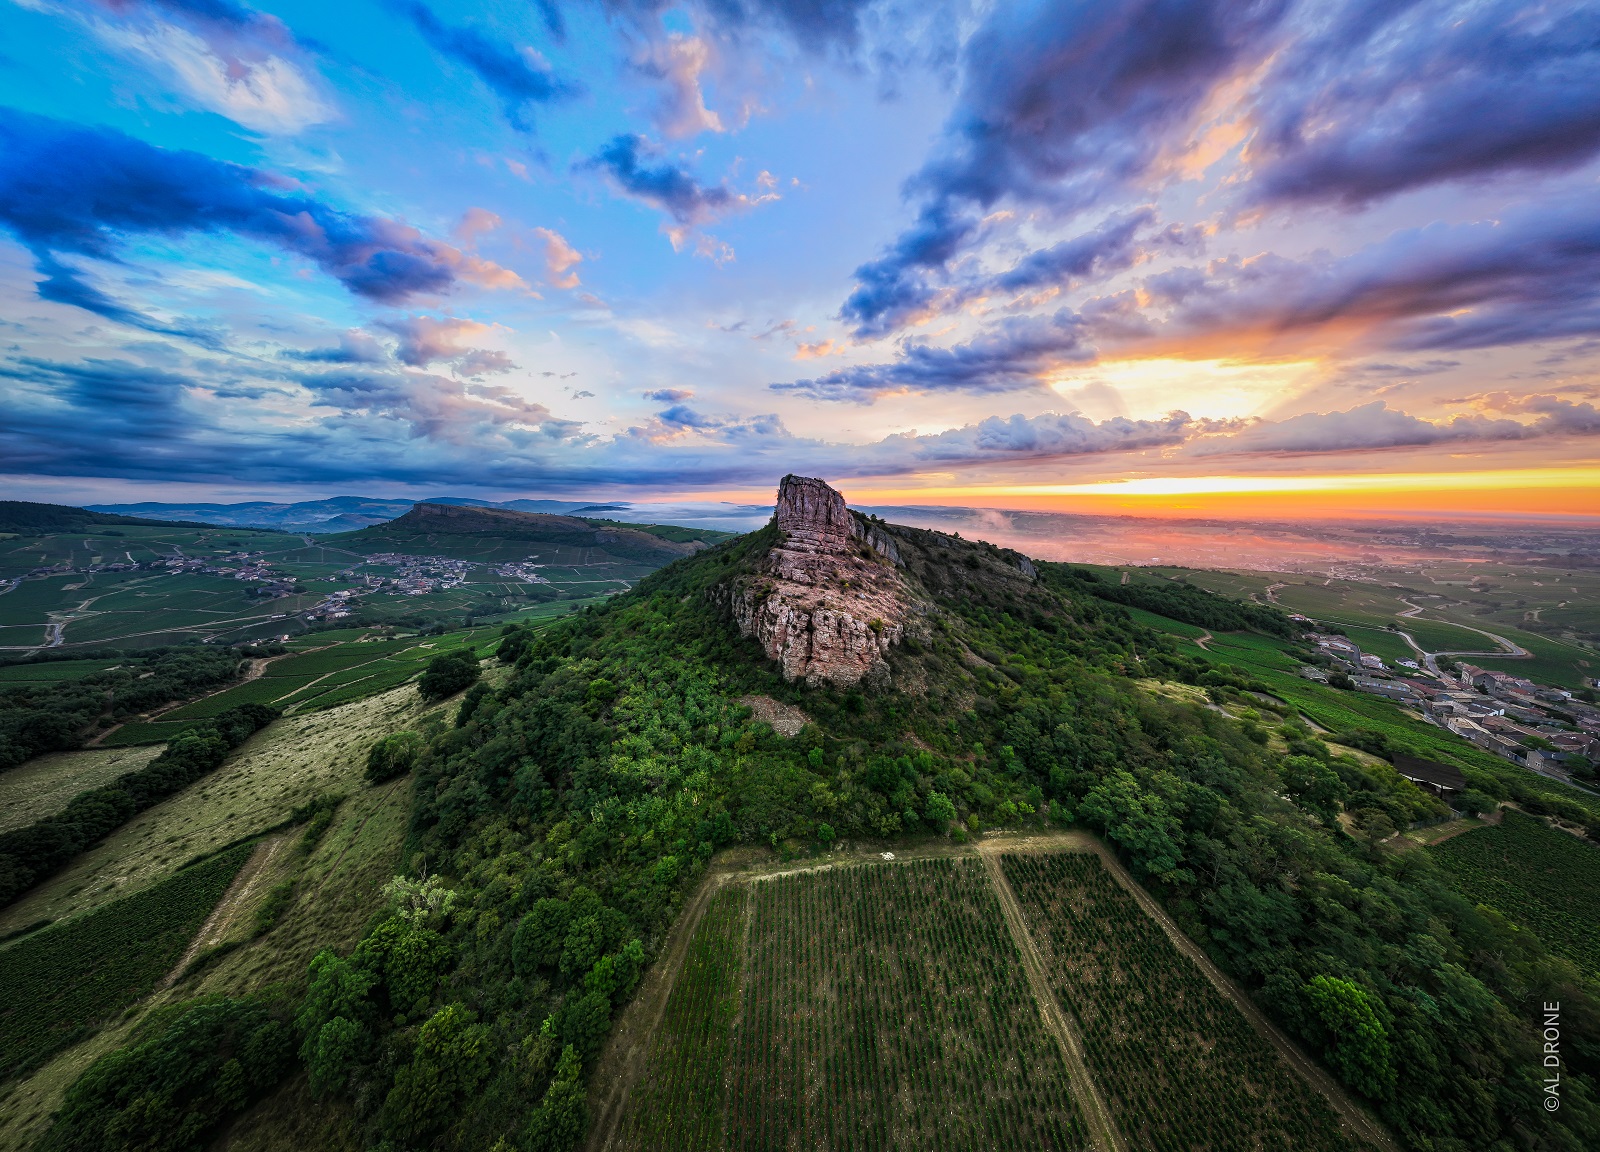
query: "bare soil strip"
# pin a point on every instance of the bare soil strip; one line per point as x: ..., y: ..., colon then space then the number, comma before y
x: 228, y: 908
x: 623, y: 1060
x: 1096, y: 1116
x: 1353, y: 1114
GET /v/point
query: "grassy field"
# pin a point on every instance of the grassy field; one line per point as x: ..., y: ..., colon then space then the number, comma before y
x: 1177, y: 1062
x: 67, y: 979
x: 882, y: 1006
x: 43, y: 785
x: 1535, y: 875
x: 285, y: 765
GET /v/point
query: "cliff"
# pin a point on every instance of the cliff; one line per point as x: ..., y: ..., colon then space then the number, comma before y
x: 827, y: 603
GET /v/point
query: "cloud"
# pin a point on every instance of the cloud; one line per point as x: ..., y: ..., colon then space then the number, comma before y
x: 245, y: 65
x: 1365, y: 427
x: 1108, y: 249
x: 69, y: 190
x: 683, y: 416
x: 1527, y: 276
x: 425, y: 340
x: 667, y: 187
x: 355, y: 347
x: 1061, y: 104
x: 1012, y: 355
x: 1381, y: 97
x: 678, y: 62
x: 814, y: 25
x: 669, y: 395
x: 1049, y: 435
x: 519, y: 76
x: 559, y: 259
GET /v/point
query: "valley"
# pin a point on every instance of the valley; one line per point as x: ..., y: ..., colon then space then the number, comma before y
x: 1029, y: 865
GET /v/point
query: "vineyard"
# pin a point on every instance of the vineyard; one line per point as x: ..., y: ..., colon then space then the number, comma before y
x: 61, y: 983
x: 881, y: 1007
x: 1179, y: 1065
x: 682, y: 1105
x: 1535, y: 875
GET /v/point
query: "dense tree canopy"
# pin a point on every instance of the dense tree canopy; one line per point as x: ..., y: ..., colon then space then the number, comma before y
x: 578, y: 802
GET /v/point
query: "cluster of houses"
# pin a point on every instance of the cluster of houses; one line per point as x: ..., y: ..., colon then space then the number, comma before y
x: 414, y: 575
x: 1542, y: 728
x: 525, y: 570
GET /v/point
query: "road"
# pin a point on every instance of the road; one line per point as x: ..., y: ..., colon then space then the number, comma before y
x: 1508, y: 649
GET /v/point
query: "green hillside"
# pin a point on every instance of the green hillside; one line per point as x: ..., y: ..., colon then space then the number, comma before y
x: 572, y: 821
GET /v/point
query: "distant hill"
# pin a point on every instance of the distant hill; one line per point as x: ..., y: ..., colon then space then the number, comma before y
x: 349, y: 513
x: 24, y: 518
x: 335, y: 514
x: 488, y: 534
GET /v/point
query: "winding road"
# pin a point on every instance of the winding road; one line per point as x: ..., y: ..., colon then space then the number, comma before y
x: 1508, y: 650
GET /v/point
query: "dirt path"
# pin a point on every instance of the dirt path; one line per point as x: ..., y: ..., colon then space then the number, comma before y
x: 233, y: 902
x: 1202, y: 641
x: 255, y: 669
x: 623, y: 1060
x: 1096, y: 1116
x: 1353, y: 1115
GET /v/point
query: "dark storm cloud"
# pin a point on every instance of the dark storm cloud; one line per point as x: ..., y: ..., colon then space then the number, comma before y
x: 1107, y: 249
x: 518, y: 78
x: 1385, y: 95
x: 1006, y: 358
x: 70, y: 190
x: 1062, y: 103
x: 666, y: 186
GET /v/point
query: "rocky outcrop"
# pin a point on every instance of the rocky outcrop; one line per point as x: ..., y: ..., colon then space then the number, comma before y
x: 827, y: 602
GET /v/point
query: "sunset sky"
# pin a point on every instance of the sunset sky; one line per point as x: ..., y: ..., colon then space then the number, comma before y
x: 1184, y: 256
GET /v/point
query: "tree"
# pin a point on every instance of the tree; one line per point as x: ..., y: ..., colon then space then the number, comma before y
x: 448, y: 673
x: 1136, y: 819
x: 394, y: 755
x: 940, y: 809
x: 561, y: 1118
x: 540, y: 936
x: 1358, y: 1043
x: 451, y: 1060
x: 1315, y: 787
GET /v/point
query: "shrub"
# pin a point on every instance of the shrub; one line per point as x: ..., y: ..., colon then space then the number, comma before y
x: 393, y: 756
x: 448, y: 673
x: 169, y: 1092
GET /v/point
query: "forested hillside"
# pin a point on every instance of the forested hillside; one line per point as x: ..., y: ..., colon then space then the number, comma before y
x: 559, y: 825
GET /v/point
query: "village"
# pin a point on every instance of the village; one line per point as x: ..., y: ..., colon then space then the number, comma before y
x: 1546, y: 729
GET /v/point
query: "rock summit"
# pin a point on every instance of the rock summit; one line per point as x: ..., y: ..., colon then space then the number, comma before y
x: 827, y: 601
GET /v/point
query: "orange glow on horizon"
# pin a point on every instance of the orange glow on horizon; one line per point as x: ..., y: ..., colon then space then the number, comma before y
x: 1508, y: 493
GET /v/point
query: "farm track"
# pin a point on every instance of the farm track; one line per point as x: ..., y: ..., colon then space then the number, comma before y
x: 1097, y: 1117
x: 227, y: 910
x: 623, y: 1060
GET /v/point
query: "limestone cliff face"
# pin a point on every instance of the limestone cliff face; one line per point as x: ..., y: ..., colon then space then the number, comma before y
x: 827, y: 602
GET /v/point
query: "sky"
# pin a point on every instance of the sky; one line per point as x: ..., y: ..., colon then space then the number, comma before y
x: 1180, y: 257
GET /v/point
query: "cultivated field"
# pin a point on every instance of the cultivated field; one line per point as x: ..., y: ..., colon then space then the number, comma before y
x: 1535, y: 875
x: 70, y: 977
x: 1179, y: 1065
x: 887, y: 1006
